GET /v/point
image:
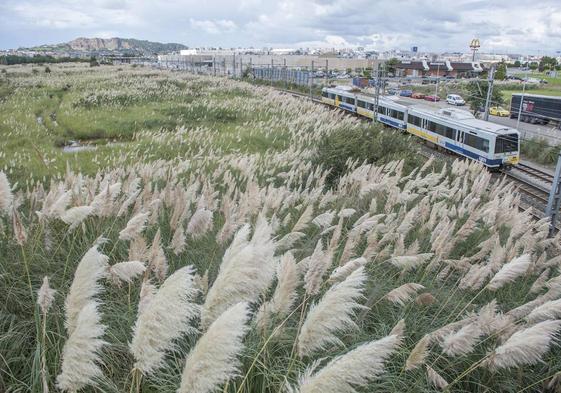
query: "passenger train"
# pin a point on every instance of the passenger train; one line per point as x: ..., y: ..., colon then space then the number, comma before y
x: 453, y: 129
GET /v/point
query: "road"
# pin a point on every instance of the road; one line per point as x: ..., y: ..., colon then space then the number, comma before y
x: 527, y: 131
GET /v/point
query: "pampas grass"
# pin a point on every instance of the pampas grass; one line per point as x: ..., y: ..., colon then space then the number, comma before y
x: 76, y: 215
x: 85, y: 286
x: 6, y: 196
x: 81, y: 362
x: 548, y: 310
x: 134, y: 227
x: 525, y: 347
x: 246, y: 272
x: 404, y: 293
x: 436, y: 379
x: 214, y: 359
x: 285, y: 293
x: 165, y: 317
x: 463, y: 341
x: 331, y: 315
x: 419, y: 353
x: 353, y: 369
x: 510, y: 272
x: 126, y: 271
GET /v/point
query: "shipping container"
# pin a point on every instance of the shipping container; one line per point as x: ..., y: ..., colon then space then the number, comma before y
x: 536, y: 109
x: 360, y: 81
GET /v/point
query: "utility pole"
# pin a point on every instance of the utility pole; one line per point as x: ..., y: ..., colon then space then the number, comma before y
x: 554, y: 200
x: 489, y: 93
x: 521, y: 101
x: 272, y: 68
x: 312, y: 83
x: 377, y: 93
x: 437, y: 80
x: 285, y: 74
x: 326, y: 72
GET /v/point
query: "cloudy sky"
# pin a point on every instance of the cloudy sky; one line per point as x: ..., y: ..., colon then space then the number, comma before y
x: 515, y: 26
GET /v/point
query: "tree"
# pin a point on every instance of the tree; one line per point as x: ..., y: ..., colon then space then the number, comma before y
x: 47, y: 70
x: 476, y: 95
x: 517, y: 64
x: 533, y: 66
x: 93, y: 62
x: 500, y: 73
x: 547, y: 63
x: 391, y: 65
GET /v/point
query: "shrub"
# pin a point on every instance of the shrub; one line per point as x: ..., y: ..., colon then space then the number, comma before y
x: 371, y: 144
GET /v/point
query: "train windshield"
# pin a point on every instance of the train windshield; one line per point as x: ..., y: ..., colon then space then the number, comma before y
x: 506, y: 143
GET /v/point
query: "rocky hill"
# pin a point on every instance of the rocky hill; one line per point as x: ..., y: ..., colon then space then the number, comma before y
x: 124, y: 45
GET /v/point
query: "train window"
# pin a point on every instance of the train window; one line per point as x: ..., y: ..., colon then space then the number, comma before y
x: 360, y: 103
x: 476, y: 142
x: 370, y: 106
x: 395, y: 114
x: 382, y: 110
x: 349, y: 100
x: 324, y: 93
x: 332, y: 96
x: 415, y: 120
x: 506, y: 143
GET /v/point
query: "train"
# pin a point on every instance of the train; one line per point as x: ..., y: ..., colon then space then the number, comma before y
x: 455, y: 130
x: 536, y: 109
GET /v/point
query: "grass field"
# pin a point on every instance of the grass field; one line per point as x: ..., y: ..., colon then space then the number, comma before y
x: 223, y: 236
x: 552, y: 88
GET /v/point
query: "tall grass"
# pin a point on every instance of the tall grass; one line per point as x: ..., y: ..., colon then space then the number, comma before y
x: 388, y: 276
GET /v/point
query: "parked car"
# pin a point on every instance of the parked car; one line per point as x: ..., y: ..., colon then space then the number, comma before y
x: 418, y: 96
x: 498, y: 111
x: 432, y: 98
x: 406, y: 93
x: 393, y: 92
x: 454, y: 99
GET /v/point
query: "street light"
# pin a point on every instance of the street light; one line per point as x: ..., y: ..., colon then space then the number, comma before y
x: 521, y: 101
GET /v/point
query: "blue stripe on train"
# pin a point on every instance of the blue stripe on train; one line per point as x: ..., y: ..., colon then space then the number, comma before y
x: 475, y: 156
x: 391, y: 122
x: 347, y: 106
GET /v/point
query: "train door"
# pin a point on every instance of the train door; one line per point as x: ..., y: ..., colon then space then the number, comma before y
x: 459, y: 137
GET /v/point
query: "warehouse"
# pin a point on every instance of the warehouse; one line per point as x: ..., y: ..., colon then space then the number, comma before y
x: 441, y: 68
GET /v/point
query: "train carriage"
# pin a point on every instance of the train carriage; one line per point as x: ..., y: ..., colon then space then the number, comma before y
x: 455, y: 130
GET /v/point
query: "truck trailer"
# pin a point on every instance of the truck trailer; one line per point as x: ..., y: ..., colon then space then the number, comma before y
x: 536, y: 109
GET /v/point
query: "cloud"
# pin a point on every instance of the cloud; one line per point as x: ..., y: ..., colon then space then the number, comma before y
x: 433, y: 25
x: 213, y: 26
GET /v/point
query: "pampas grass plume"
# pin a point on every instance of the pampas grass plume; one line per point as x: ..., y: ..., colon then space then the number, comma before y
x: 126, y: 271
x: 510, y: 272
x: 163, y: 319
x: 134, y: 227
x: 331, y: 315
x: 214, y: 359
x: 6, y: 196
x: 524, y: 347
x: 436, y: 379
x: 418, y: 354
x: 354, y: 369
x: 76, y: 215
x: 45, y: 296
x: 90, y: 270
x: 404, y: 293
x: 80, y: 355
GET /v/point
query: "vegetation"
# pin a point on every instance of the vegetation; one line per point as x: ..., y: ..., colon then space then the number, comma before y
x: 217, y: 247
x: 38, y: 59
x: 476, y: 95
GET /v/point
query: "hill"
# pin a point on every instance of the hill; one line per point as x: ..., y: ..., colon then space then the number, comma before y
x: 124, y: 45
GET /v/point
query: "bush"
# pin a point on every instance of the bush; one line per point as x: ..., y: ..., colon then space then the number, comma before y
x: 371, y: 144
x: 47, y: 70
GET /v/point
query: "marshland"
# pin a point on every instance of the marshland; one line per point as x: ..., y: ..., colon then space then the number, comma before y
x: 217, y: 236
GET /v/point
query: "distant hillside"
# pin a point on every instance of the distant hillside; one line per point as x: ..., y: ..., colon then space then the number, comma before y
x: 126, y: 45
